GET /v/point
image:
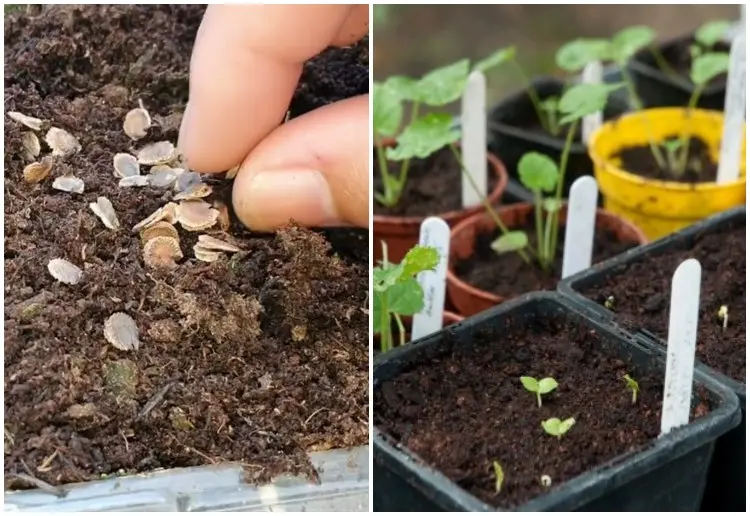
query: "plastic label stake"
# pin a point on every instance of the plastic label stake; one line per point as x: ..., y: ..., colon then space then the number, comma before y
x: 434, y: 232
x: 580, y: 226
x: 732, y: 134
x: 474, y: 139
x: 683, y: 331
x: 592, y: 74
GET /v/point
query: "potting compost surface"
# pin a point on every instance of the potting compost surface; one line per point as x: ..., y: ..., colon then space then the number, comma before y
x: 700, y: 167
x: 257, y: 358
x: 466, y: 408
x: 433, y: 185
x: 509, y: 275
x: 641, y: 295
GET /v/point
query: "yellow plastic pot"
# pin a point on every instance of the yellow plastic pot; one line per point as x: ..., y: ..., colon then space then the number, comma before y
x: 661, y: 207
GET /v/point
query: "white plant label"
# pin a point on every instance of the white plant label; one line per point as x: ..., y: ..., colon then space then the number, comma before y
x: 732, y: 134
x: 474, y: 138
x: 592, y: 74
x: 683, y: 331
x: 580, y: 226
x: 434, y: 232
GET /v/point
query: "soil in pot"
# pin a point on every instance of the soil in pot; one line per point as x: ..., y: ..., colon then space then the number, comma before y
x: 460, y: 422
x: 700, y: 166
x: 641, y: 297
x: 257, y: 358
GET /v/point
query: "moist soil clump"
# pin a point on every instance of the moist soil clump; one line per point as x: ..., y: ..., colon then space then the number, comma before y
x: 459, y: 422
x: 433, y: 185
x: 508, y: 275
x: 700, y: 168
x: 257, y: 358
x: 641, y: 295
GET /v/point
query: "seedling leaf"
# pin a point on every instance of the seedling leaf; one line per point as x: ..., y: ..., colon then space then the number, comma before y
x: 420, y: 259
x: 575, y: 55
x: 403, y: 87
x: 530, y: 384
x: 444, y: 85
x: 424, y: 136
x: 496, y: 59
x: 632, y: 385
x: 551, y: 205
x: 710, y: 33
x: 547, y: 385
x: 629, y: 41
x: 499, y: 476
x: 567, y: 425
x: 557, y: 428
x: 585, y: 99
x: 707, y: 66
x: 406, y: 297
x: 510, y: 241
x: 538, y: 172
x: 386, y: 111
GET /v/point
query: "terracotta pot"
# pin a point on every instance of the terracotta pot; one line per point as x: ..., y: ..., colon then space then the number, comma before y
x: 448, y: 319
x: 470, y: 300
x: 402, y: 233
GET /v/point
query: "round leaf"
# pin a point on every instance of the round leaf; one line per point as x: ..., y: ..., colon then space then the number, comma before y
x: 552, y: 426
x: 510, y: 241
x: 530, y: 384
x: 584, y: 99
x: 419, y: 259
x: 444, y: 85
x: 538, y: 172
x: 403, y: 87
x: 386, y: 111
x: 424, y: 136
x: 496, y: 59
x: 575, y: 55
x: 547, y: 385
x: 710, y: 33
x: 629, y: 41
x: 707, y: 66
x: 566, y: 425
x: 406, y: 297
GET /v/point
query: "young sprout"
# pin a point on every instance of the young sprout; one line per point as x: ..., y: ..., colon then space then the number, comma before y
x: 609, y: 303
x: 499, y: 476
x: 632, y: 385
x: 545, y: 480
x: 723, y: 315
x: 543, y: 386
x: 557, y: 428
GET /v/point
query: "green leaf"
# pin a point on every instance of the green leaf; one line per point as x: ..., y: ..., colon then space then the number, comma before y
x: 387, y: 111
x: 444, y: 85
x: 550, y: 104
x: 552, y: 205
x: 538, y: 172
x: 552, y: 426
x: 575, y: 55
x: 672, y: 145
x: 424, y: 136
x: 629, y: 41
x: 530, y: 384
x: 377, y: 312
x: 406, y: 297
x: 585, y: 99
x: 404, y: 87
x: 695, y: 51
x: 419, y: 259
x: 496, y: 59
x: 510, y: 241
x: 385, y: 276
x: 707, y: 66
x: 499, y: 476
x: 712, y: 32
x: 566, y: 425
x: 547, y: 385
x: 632, y: 384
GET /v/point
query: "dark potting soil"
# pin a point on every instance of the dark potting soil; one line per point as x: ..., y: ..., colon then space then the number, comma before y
x: 700, y: 167
x: 459, y: 421
x: 255, y: 359
x: 433, y: 185
x: 642, y: 295
x: 508, y: 275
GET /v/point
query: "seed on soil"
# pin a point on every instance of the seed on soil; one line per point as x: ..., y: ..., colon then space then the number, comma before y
x: 205, y: 256
x: 121, y: 378
x: 163, y: 176
x: 133, y: 181
x: 62, y: 142
x: 28, y: 121
x: 161, y: 252
x: 31, y: 145
x: 38, y: 171
x: 70, y: 184
x: 137, y: 122
x: 186, y: 180
x: 194, y: 191
x: 265, y: 381
x: 179, y: 420
x: 196, y: 215
x: 299, y: 333
x: 157, y: 229
x: 168, y: 213
x: 121, y: 331
x: 210, y: 243
x: 64, y: 271
x: 156, y: 153
x: 232, y: 172
x: 81, y: 411
x: 126, y: 165
x: 103, y: 209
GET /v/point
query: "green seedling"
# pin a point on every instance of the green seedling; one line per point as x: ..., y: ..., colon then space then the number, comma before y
x: 396, y: 291
x: 499, y: 476
x: 707, y: 36
x: 539, y: 387
x: 632, y: 385
x: 723, y: 315
x: 558, y: 428
x: 609, y: 303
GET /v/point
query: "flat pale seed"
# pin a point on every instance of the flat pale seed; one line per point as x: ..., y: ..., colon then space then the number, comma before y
x: 121, y: 331
x: 167, y: 212
x: 232, y: 172
x: 157, y: 229
x: 204, y: 255
x: 196, y: 215
x: 64, y: 271
x: 103, y: 209
x: 156, y: 153
x: 62, y: 142
x: 130, y: 181
x: 161, y: 252
x: 68, y: 184
x: 125, y: 165
x: 186, y: 180
x: 194, y: 191
x: 137, y: 123
x: 28, y: 121
x: 31, y: 146
x: 163, y: 176
x: 214, y: 244
x: 38, y: 171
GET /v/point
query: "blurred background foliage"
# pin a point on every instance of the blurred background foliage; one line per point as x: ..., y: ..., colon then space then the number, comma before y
x: 414, y: 39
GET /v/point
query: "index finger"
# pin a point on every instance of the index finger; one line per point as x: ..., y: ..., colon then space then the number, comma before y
x: 246, y: 64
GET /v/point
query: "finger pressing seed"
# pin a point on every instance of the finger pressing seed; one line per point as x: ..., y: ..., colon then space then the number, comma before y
x: 68, y: 184
x: 28, y: 121
x: 62, y: 142
x: 126, y: 165
x: 38, y: 171
x: 64, y: 271
x: 121, y: 331
x: 103, y: 209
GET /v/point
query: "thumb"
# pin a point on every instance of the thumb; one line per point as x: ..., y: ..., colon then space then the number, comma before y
x: 313, y: 170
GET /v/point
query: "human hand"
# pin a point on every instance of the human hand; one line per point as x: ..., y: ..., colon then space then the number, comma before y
x: 245, y: 67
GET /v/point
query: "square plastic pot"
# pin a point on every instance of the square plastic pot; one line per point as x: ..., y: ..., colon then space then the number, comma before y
x: 343, y: 486
x: 668, y: 475
x: 726, y: 489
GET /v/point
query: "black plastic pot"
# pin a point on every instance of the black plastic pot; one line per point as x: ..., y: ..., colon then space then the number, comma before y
x: 508, y: 141
x: 668, y: 475
x: 655, y: 88
x: 726, y: 489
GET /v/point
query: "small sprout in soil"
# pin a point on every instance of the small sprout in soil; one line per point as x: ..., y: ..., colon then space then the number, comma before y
x: 62, y: 142
x: 633, y: 386
x: 121, y: 331
x: 157, y: 153
x: 31, y: 145
x: 168, y: 213
x: 210, y: 243
x: 179, y: 420
x: 103, y: 209
x: 232, y: 172
x: 32, y: 123
x: 125, y: 165
x: 161, y: 228
x: 723, y: 315
x: 543, y: 386
x: 38, y: 171
x: 194, y: 191
x: 609, y: 303
x: 69, y: 184
x: 64, y: 271
x: 137, y: 122
x: 299, y: 333
x: 196, y: 215
x: 133, y: 181
x: 545, y: 480
x: 162, y: 252
x: 557, y: 428
x: 499, y: 476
